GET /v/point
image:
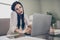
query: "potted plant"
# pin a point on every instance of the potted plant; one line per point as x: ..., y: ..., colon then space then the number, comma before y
x: 53, y: 20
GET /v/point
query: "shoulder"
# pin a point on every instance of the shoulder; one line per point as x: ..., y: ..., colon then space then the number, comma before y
x: 26, y: 16
x: 13, y: 13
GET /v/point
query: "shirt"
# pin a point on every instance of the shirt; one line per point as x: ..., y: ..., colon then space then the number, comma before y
x: 13, y: 22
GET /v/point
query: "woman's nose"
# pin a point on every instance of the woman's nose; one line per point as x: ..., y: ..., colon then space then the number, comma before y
x: 20, y: 9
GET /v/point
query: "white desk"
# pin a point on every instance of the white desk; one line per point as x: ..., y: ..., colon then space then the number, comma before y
x: 21, y: 38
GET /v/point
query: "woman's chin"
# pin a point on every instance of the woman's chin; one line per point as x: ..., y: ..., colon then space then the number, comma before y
x: 20, y: 13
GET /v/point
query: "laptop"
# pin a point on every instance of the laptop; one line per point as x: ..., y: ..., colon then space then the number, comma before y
x: 4, y: 26
x: 41, y: 24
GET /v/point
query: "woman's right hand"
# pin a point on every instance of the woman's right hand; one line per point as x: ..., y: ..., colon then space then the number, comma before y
x: 18, y: 30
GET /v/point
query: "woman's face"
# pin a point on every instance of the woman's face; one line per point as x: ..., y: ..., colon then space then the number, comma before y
x: 19, y: 9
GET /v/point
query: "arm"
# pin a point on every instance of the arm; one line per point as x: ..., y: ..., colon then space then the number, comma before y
x: 27, y: 26
x: 13, y: 22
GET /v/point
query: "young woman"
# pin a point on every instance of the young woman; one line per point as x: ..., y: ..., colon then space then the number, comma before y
x: 19, y: 22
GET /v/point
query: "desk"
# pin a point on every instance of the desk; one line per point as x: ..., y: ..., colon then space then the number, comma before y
x: 21, y: 38
x: 55, y: 35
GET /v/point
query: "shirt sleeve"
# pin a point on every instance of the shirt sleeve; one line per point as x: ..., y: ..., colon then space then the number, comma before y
x: 13, y: 23
x: 26, y: 20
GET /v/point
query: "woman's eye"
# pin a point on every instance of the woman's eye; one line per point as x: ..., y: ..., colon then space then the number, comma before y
x: 20, y: 7
x: 17, y: 9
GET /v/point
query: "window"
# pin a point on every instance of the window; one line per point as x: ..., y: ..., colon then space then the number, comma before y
x: 7, y: 1
x: 5, y: 11
x: 5, y: 8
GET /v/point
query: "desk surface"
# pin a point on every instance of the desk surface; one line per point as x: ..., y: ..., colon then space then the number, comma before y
x: 21, y: 38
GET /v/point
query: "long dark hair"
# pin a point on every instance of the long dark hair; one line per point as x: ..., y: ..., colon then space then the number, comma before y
x: 22, y: 16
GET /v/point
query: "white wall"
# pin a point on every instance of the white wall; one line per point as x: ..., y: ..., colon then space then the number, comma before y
x: 50, y: 5
x: 57, y: 7
x: 31, y: 6
x: 41, y: 6
x: 46, y: 5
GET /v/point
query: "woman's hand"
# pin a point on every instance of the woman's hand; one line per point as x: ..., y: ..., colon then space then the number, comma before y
x: 18, y: 30
x: 27, y: 30
x: 51, y: 30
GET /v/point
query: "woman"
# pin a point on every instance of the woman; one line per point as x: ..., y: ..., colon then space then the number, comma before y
x: 19, y: 22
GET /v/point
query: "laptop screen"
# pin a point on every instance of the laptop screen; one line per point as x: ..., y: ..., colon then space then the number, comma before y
x: 41, y: 24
